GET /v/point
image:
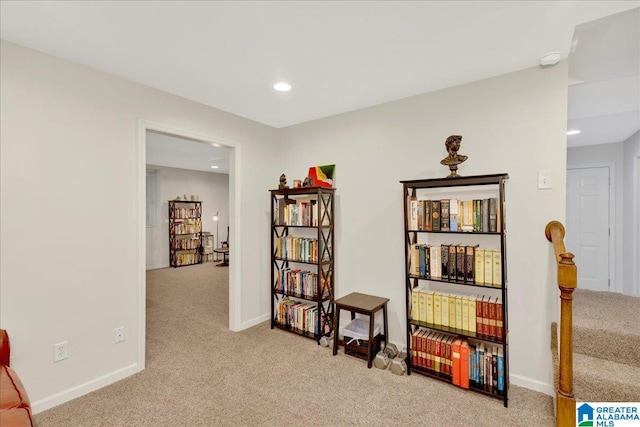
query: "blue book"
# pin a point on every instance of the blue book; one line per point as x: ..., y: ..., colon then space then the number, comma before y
x: 500, y: 370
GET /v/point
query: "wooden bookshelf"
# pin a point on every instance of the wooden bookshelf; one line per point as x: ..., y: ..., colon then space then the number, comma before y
x: 185, y: 233
x: 454, y: 294
x: 302, y: 261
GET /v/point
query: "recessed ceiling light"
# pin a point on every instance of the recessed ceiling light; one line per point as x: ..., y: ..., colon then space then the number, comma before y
x: 282, y: 87
x: 573, y: 132
x: 214, y: 167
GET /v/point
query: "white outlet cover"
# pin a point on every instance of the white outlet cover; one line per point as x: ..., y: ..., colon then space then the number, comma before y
x: 61, y: 351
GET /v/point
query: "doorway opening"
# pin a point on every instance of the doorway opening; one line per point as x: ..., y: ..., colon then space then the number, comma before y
x: 144, y: 128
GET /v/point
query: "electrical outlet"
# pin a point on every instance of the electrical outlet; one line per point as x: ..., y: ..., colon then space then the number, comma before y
x: 60, y: 351
x: 119, y: 337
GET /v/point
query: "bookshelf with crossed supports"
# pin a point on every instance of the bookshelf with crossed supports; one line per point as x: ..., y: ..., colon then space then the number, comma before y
x: 302, y: 261
x: 185, y: 233
x: 467, y: 214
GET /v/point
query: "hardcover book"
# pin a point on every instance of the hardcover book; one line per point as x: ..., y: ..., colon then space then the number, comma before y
x: 453, y: 215
x: 435, y: 215
x: 452, y: 311
x: 444, y: 301
x: 460, y: 263
x: 444, y: 256
x: 488, y: 267
x: 444, y: 215
x: 479, y: 271
x: 496, y: 256
x: 469, y: 263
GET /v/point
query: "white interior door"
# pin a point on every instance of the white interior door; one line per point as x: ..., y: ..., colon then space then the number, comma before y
x: 588, y: 228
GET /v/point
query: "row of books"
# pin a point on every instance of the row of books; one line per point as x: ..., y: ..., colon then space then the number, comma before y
x: 466, y: 364
x: 187, y: 227
x: 298, y: 315
x: 477, y: 215
x: 296, y: 212
x: 457, y: 263
x: 182, y: 244
x: 296, y: 248
x: 481, y: 315
x: 186, y: 258
x: 299, y: 282
x: 182, y: 213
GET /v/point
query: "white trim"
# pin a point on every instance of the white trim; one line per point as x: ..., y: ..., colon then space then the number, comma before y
x: 82, y: 389
x: 235, y: 291
x: 157, y: 267
x: 615, y: 286
x: 255, y: 321
x: 531, y: 384
x: 636, y: 225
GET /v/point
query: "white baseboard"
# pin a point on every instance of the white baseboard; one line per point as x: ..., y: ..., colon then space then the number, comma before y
x: 82, y: 389
x: 254, y: 321
x: 531, y: 384
x: 156, y: 267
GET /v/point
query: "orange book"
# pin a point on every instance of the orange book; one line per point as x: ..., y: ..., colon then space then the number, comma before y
x: 464, y: 364
x: 455, y: 361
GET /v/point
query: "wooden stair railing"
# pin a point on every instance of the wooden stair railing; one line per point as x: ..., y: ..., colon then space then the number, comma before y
x: 567, y: 282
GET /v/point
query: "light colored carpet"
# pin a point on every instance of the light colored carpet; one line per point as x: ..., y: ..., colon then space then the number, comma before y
x: 201, y: 374
x: 606, y: 347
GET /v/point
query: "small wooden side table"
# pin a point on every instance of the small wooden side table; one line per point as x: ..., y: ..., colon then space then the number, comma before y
x: 363, y: 304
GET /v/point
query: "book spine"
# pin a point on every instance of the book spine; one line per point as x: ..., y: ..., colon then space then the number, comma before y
x: 430, y: 302
x: 500, y: 369
x: 435, y: 215
x: 444, y: 215
x: 497, y: 268
x: 479, y: 270
x: 460, y: 263
x: 444, y: 298
x: 444, y: 256
x: 464, y: 364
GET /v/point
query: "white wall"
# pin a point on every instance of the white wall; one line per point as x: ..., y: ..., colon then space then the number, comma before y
x: 514, y: 123
x: 631, y: 215
x: 597, y: 155
x: 213, y: 191
x: 70, y: 252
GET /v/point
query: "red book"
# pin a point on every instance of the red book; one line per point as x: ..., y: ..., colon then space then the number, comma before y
x: 455, y: 361
x: 492, y: 317
x: 485, y: 316
x: 479, y: 323
x: 499, y: 324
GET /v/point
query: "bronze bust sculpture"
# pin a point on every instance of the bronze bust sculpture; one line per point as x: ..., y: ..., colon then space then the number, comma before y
x: 453, y: 159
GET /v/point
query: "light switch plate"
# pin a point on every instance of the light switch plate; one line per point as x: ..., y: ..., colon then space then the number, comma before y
x: 544, y: 180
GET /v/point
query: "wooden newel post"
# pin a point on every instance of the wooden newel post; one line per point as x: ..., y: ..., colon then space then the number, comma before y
x: 567, y: 282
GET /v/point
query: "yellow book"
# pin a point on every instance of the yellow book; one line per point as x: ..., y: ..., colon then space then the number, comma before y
x: 429, y: 295
x: 472, y: 313
x: 497, y: 269
x: 444, y: 301
x: 423, y: 305
x: 452, y: 310
x: 479, y: 273
x: 488, y: 267
x: 458, y: 312
x: 415, y: 304
x: 437, y: 308
x: 465, y: 314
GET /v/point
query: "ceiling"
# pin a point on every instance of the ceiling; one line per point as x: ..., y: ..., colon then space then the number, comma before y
x: 170, y: 151
x: 338, y: 56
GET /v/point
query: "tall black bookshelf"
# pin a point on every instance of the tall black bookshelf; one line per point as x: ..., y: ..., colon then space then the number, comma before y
x: 302, y: 260
x: 185, y: 233
x: 463, y: 218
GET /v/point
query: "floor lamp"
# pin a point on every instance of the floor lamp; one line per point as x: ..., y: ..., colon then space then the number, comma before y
x: 216, y: 218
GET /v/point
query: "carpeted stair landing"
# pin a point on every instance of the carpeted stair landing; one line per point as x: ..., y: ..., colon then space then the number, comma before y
x: 606, y: 347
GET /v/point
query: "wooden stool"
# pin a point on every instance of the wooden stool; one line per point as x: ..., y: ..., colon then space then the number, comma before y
x: 363, y: 304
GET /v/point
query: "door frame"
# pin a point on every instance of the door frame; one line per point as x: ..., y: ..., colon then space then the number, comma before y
x: 613, y: 284
x: 636, y: 224
x: 235, y: 308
